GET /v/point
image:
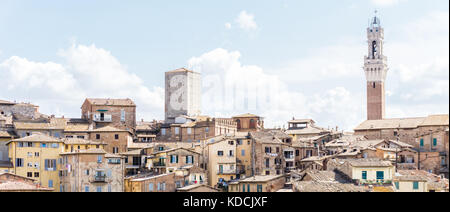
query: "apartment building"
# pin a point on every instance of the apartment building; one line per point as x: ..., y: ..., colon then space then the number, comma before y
x: 221, y: 163
x: 154, y: 183
x: 117, y: 113
x: 249, y: 122
x: 36, y: 157
x: 267, y: 183
x: 195, y: 129
x: 115, y: 138
x: 91, y: 170
x: 268, y: 154
x: 170, y: 160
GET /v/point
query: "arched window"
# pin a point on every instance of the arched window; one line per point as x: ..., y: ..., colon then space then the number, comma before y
x: 238, y: 124
x: 374, y: 49
x: 252, y: 124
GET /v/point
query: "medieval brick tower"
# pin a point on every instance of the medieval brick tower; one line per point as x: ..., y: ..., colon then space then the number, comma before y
x: 375, y: 67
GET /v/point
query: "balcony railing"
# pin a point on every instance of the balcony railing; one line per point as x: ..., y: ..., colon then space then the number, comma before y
x: 105, y: 118
x: 100, y: 178
x: 159, y: 164
x: 226, y: 172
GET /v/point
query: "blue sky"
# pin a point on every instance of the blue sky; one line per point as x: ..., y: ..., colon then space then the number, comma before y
x: 313, y: 50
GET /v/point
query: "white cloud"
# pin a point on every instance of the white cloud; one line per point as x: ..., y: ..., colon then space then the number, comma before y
x: 246, y: 21
x: 384, y: 3
x: 230, y: 88
x: 88, y: 71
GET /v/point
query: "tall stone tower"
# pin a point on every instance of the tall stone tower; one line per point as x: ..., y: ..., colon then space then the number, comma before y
x: 183, y: 94
x: 375, y: 67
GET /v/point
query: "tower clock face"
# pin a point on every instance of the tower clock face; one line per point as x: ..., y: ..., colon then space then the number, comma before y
x: 178, y: 92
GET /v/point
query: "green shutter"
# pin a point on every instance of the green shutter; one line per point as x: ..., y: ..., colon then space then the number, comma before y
x: 434, y: 141
x: 416, y: 185
x: 421, y: 142
x: 397, y: 185
x: 364, y: 175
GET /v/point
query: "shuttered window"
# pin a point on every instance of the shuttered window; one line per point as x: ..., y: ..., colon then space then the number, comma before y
x: 364, y: 175
x: 416, y: 185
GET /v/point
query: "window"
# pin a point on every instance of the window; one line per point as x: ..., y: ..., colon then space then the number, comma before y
x: 177, y: 130
x: 86, y: 189
x: 109, y: 188
x: 116, y: 136
x: 163, y: 131
x: 380, y: 175
x: 80, y: 136
x: 122, y: 115
x: 36, y: 174
x: 397, y: 185
x: 50, y: 165
x: 161, y: 186
x: 189, y: 159
x: 243, y: 188
x: 415, y: 185
x: 99, y: 159
x: 150, y: 187
x: 248, y: 187
x: 297, y: 152
x: 220, y: 169
x: 434, y: 142
x: 174, y: 159
x: 43, y: 145
x: 115, y: 150
x: 57, y: 135
x: 243, y: 152
x: 87, y: 172
x: 231, y: 153
x: 268, y: 150
x: 259, y: 188
x: 189, y: 131
x: 30, y: 174
x: 36, y: 154
x: 422, y: 142
x: 55, y: 145
x: 252, y: 124
x: 220, y: 153
x: 97, y: 136
x: 267, y: 163
x: 50, y: 183
x: 364, y: 175
x: 207, y: 130
x: 99, y: 189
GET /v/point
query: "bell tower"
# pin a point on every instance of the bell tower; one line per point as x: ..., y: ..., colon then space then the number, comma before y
x: 375, y: 68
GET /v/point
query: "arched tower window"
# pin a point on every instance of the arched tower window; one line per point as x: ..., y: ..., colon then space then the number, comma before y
x: 252, y: 124
x: 238, y: 124
x: 374, y: 49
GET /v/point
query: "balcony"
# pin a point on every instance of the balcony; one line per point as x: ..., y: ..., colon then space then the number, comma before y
x: 102, y: 118
x: 226, y: 172
x: 99, y: 179
x: 159, y: 164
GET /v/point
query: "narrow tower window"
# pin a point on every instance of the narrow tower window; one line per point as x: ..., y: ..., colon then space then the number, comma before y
x: 374, y: 85
x: 374, y: 49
